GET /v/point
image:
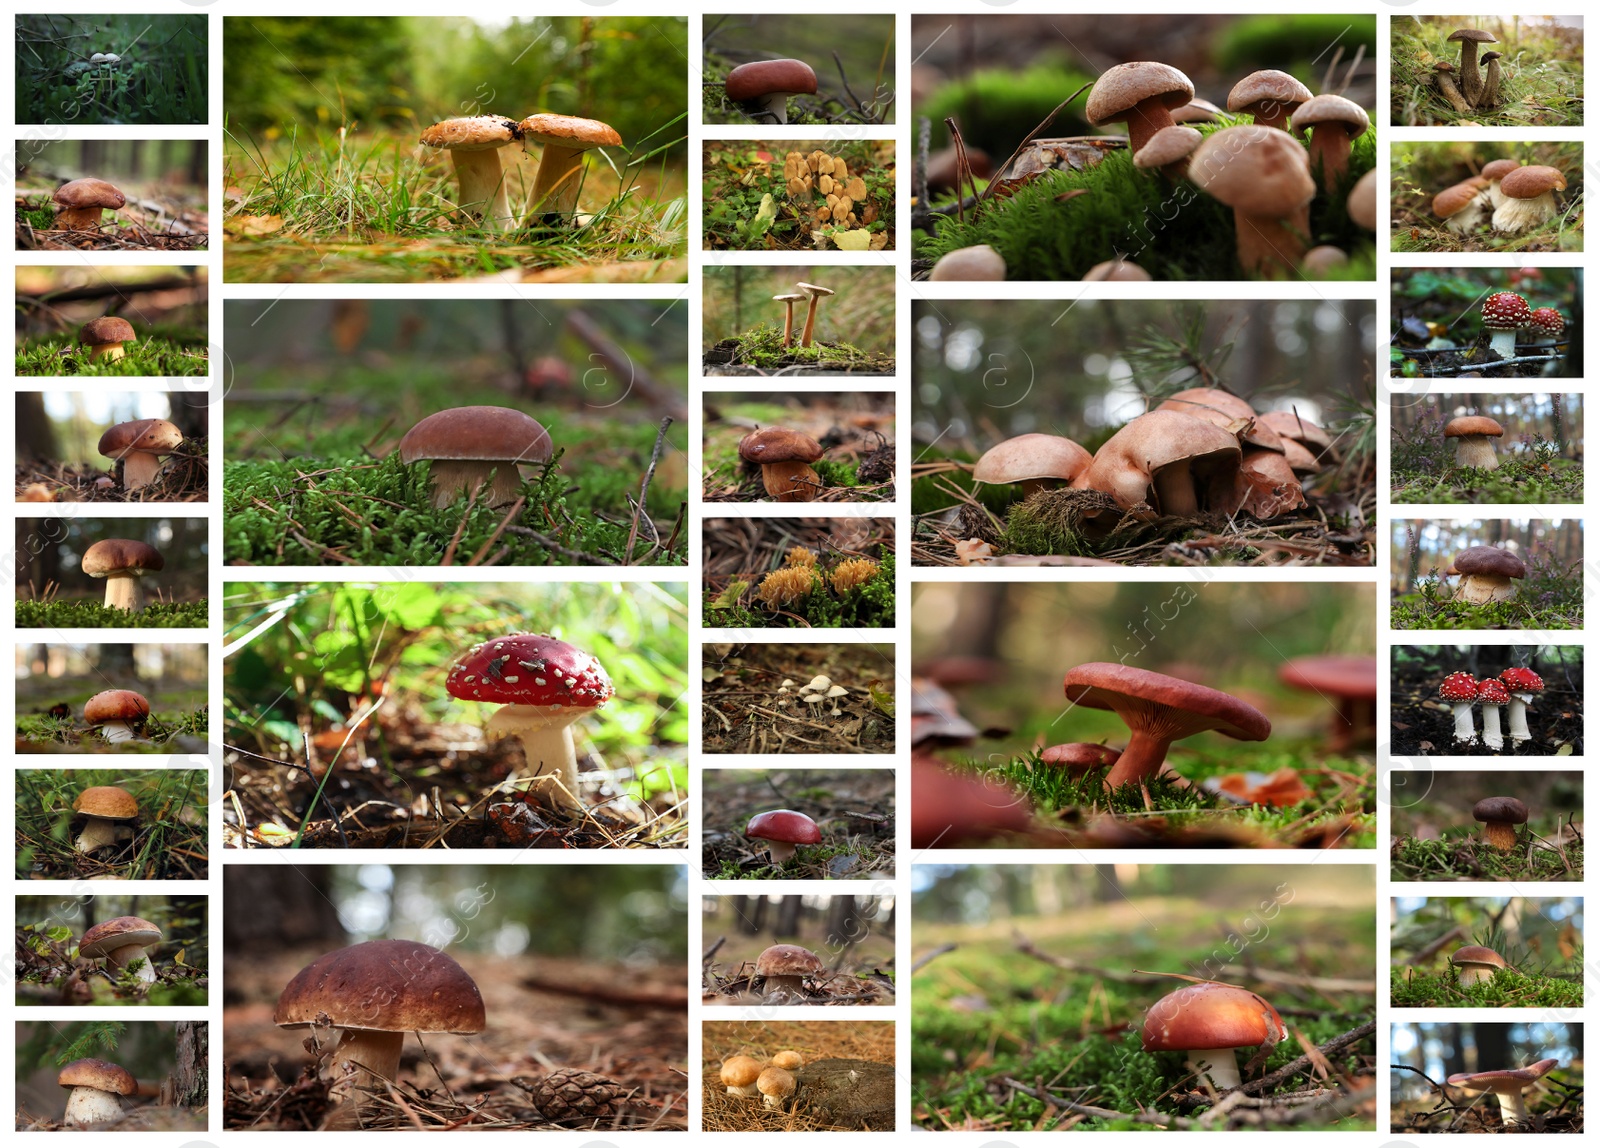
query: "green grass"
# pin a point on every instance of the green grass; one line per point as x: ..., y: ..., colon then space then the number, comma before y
x: 81, y: 614
x: 161, y: 78
x: 1412, y: 988
x: 164, y: 351
x: 159, y: 732
x: 866, y: 606
x: 1460, y: 856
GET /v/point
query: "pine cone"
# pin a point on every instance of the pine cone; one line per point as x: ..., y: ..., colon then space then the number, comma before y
x: 572, y: 1094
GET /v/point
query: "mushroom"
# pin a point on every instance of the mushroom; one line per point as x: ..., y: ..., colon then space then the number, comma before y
x: 788, y: 1059
x: 1323, y: 260
x: 1500, y: 817
x: 1140, y: 94
x: 1197, y: 111
x: 1291, y: 426
x: 1460, y: 689
x: 948, y: 809
x: 81, y: 202
x: 543, y: 685
x: 1361, y: 205
x: 1475, y: 964
x: 101, y: 807
x: 1116, y: 270
x: 1472, y: 434
x: 763, y: 87
x: 980, y: 263
x: 139, y: 445
x: 1158, y: 710
x: 782, y: 830
x: 564, y: 140
x: 1530, y: 198
x: 776, y: 1086
x: 739, y: 1075
x: 1079, y: 757
x: 1168, y: 151
x: 474, y: 143
x: 121, y: 562
x: 785, y: 457
x: 1224, y: 409
x: 785, y: 968
x: 376, y: 992
x: 1504, y: 314
x: 1469, y: 39
x: 1494, y: 171
x: 124, y: 943
x: 1206, y: 1022
x: 1335, y: 124
x: 469, y: 447
x: 1486, y: 575
x: 1523, y: 684
x: 816, y: 293
x: 1179, y: 464
x: 104, y: 337
x: 1491, y: 696
x: 1265, y: 176
x: 936, y: 718
x: 1350, y: 683
x: 1032, y: 462
x: 1490, y: 96
x: 788, y: 302
x: 118, y: 714
x: 1507, y: 1084
x: 1461, y: 206
x: 1545, y: 327
x: 96, y: 1086
x: 1269, y: 97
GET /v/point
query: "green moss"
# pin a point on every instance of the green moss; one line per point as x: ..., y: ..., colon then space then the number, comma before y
x: 1457, y: 856
x: 158, y: 351
x: 1425, y: 472
x: 763, y: 347
x: 1301, y: 44
x: 80, y: 614
x: 1412, y: 988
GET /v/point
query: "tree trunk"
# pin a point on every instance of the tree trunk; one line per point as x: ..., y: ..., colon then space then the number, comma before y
x: 36, y: 434
x: 189, y: 1073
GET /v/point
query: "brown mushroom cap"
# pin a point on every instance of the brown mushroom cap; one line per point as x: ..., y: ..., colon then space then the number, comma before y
x: 1267, y: 93
x: 1222, y: 409
x: 1477, y: 955
x: 1176, y: 708
x: 1473, y: 425
x: 740, y: 1071
x: 1030, y: 457
x: 99, y: 1074
x: 1118, y: 93
x: 116, y: 706
x: 788, y: 961
x: 1331, y: 109
x: 568, y: 132
x: 1499, y: 168
x: 89, y: 193
x: 1210, y: 1015
x: 388, y: 986
x: 154, y: 436
x: 106, y: 329
x: 1473, y: 34
x: 1455, y: 199
x: 1491, y: 561
x: 1130, y: 461
x: 761, y: 78
x: 1256, y: 170
x: 108, y: 801
x: 1531, y: 181
x: 1503, y: 1079
x: 1079, y: 755
x: 112, y: 556
x: 775, y: 1083
x: 1506, y: 809
x: 477, y: 434
x: 779, y: 444
x: 1308, y: 434
x: 1168, y: 146
x: 948, y: 809
x: 471, y: 133
x: 118, y: 933
x: 1362, y: 202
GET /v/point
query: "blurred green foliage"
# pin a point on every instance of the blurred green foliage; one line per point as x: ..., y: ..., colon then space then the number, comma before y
x: 1300, y: 44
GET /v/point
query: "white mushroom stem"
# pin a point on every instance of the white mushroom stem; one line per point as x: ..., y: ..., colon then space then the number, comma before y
x: 116, y: 732
x: 1218, y: 1065
x: 1466, y: 730
x: 546, y: 736
x: 1476, y: 450
x: 452, y: 478
x: 1481, y: 589
x: 780, y: 851
x: 139, y: 469
x: 92, y: 1106
x: 1474, y: 974
x: 483, y: 186
x: 1517, y: 716
x: 98, y: 833
x: 1512, y: 1108
x: 363, y: 1060
x: 1504, y: 343
x: 555, y: 188
x: 743, y: 1090
x: 1491, y: 726
x: 789, y: 984
x: 773, y: 1100
x: 122, y: 592
x: 1514, y: 215
x: 134, y: 958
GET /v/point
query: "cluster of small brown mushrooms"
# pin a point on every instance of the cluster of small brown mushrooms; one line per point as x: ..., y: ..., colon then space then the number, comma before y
x: 762, y: 88
x: 474, y: 144
x: 1513, y: 197
x: 772, y: 1080
x: 808, y: 176
x: 1259, y: 168
x: 1467, y: 88
x: 1514, y: 688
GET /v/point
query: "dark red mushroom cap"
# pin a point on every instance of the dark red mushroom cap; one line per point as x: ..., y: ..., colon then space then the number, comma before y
x: 1179, y: 708
x: 1459, y: 687
x: 1491, y: 692
x: 1522, y: 680
x: 1491, y: 561
x: 1352, y: 676
x: 529, y: 670
x: 761, y: 78
x: 1080, y: 755
x: 784, y: 825
x: 1505, y: 311
x: 1548, y: 321
x: 1210, y: 1015
x: 1507, y: 809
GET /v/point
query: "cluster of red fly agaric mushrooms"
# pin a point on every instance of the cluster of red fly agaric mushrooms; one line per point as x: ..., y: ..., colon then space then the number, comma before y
x: 772, y: 1079
x: 1515, y: 688
x: 1508, y: 321
x: 1513, y: 197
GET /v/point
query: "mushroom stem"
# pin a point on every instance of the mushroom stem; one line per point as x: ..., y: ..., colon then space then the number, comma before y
x: 552, y: 757
x: 780, y: 851
x: 116, y: 732
x: 1272, y: 246
x: 788, y: 984
x: 1513, y: 1110
x: 1330, y: 146
x: 91, y: 1106
x: 98, y: 833
x: 788, y: 323
x: 1476, y: 450
x: 1490, y: 96
x: 790, y: 481
x: 1219, y: 1065
x: 364, y: 1060
x: 122, y: 593
x: 1145, y: 119
x: 139, y: 469
x: 1502, y: 835
x: 453, y: 478
x: 1491, y: 726
x: 1503, y: 343
x: 78, y: 218
x: 133, y: 956
x: 811, y: 320
x: 483, y: 186
x: 1143, y: 759
x: 1517, y: 717
x: 1481, y: 589
x: 1175, y: 490
x: 112, y: 351
x: 555, y: 188
x: 1466, y: 729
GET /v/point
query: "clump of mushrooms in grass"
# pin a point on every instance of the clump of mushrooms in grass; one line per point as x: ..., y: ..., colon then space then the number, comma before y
x: 97, y: 1087
x: 785, y: 457
x: 1493, y: 172
x: 118, y: 714
x: 122, y: 562
x: 1461, y: 205
x: 125, y: 943
x: 1472, y: 434
x: 542, y: 685
x: 1523, y: 685
x: 564, y: 139
x: 1475, y: 964
x: 104, y: 337
x: 1460, y: 689
x: 1265, y: 176
x: 1507, y: 1085
x: 471, y: 448
x: 1487, y: 573
x: 781, y: 831
x: 138, y: 446
x: 762, y: 87
x: 1469, y: 39
x: 1207, y: 1022
x: 82, y: 200
x: 1178, y: 464
x: 474, y: 144
x: 1335, y: 123
x: 375, y: 993
x: 784, y: 968
x: 1500, y: 817
x: 103, y: 808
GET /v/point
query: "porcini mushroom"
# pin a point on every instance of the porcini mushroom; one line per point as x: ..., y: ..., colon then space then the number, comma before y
x: 1350, y: 683
x: 1530, y: 198
x: 1335, y: 123
x: 776, y: 1085
x: 376, y: 992
x: 102, y: 807
x: 1472, y: 434
x: 978, y: 263
x: 816, y: 293
x: 124, y: 942
x: 1140, y: 94
x: 564, y: 140
x: 1265, y: 176
x: 1504, y: 314
x: 1469, y: 39
x: 1269, y: 97
x: 104, y: 337
x: 1500, y: 817
x: 139, y: 445
x: 785, y: 457
x: 1491, y: 696
x: 1461, y: 206
x: 1158, y: 710
x: 788, y: 301
x: 119, y: 714
x: 1523, y: 684
x: 474, y: 143
x: 1460, y: 689
x: 1032, y: 462
x: 468, y: 447
x: 785, y: 968
x: 1475, y: 964
x: 788, y: 1059
x: 122, y: 562
x: 782, y: 830
x: 96, y: 1088
x: 1207, y: 1022
x: 1494, y: 171
x: 82, y: 200
x: 1507, y: 1084
x: 1486, y: 575
x: 543, y: 685
x: 739, y: 1075
x: 763, y: 87
x: 1168, y: 151
x: 1176, y: 463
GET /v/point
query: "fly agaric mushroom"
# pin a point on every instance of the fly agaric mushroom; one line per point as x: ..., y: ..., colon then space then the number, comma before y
x: 1545, y: 327
x: 782, y: 830
x: 1158, y: 710
x: 102, y: 807
x: 104, y: 337
x: 816, y: 293
x: 1032, y: 462
x: 1469, y: 39
x: 139, y: 445
x: 1461, y: 206
x: 1486, y: 575
x: 788, y: 301
x: 468, y: 447
x: 376, y: 992
x: 1500, y: 817
x: 1504, y: 314
x: 980, y: 262
x: 1168, y: 151
x: 1141, y: 95
x: 948, y: 809
x: 1491, y: 696
x: 763, y: 87
x: 1489, y: 97
x: 1507, y: 1084
x: 543, y: 685
x: 788, y: 1059
x: 739, y: 1075
x: 1460, y: 689
x: 776, y: 1085
x: 474, y: 143
x: 124, y: 942
x: 1530, y: 198
x: 121, y: 562
x: 1361, y: 205
x: 1350, y: 681
x: 1523, y: 684
x: 1265, y: 176
x: 1207, y: 1022
x: 1269, y: 97
x: 96, y: 1086
x: 785, y: 457
x: 1335, y: 124
x: 1472, y: 434
x: 118, y: 714
x: 785, y: 968
x: 1494, y: 171
x: 81, y: 202
x: 1475, y: 964
x: 564, y: 140
x: 1176, y: 463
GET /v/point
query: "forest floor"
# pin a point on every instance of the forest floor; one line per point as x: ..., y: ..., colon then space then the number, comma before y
x: 184, y: 477
x: 853, y: 809
x: 815, y: 1041
x: 741, y: 692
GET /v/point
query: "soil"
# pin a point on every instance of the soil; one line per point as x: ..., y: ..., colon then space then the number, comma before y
x: 741, y: 691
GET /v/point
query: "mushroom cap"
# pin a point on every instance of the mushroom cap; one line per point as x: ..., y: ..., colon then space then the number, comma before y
x: 814, y: 291
x: 1522, y: 679
x: 1168, y: 145
x: 1222, y: 409
x: 1455, y: 199
x: 155, y: 436
x: 1362, y: 203
x: 106, y: 329
x: 1459, y: 687
x: 1330, y: 109
x: 1547, y: 320
x: 1196, y: 111
x: 979, y: 261
x: 787, y: 961
x: 1210, y: 1015
x: 1254, y: 169
x: 1499, y: 168
x: 1266, y: 87
x: 1471, y: 955
x: 101, y: 1074
x: 1502, y: 1079
x: 761, y: 78
x: 1466, y: 425
x: 1488, y: 56
x: 89, y: 193
x: 529, y: 670
x: 1120, y: 89
x: 1176, y: 707
x: 471, y: 133
x: 740, y: 1071
x: 779, y: 444
x: 775, y: 1082
x: 949, y: 808
x: 1505, y: 310
x: 117, y: 933
x: 120, y: 556
x: 1125, y: 463
x: 108, y: 801
x: 1079, y: 755
x: 1532, y: 180
x: 477, y: 434
x: 1300, y: 459
x: 1290, y: 425
x: 1507, y: 809
x: 116, y: 705
x: 788, y: 1059
x: 387, y: 986
x: 784, y: 825
x: 795, y: 297
x: 1491, y: 692
x: 1490, y: 560
x: 1031, y: 456
x: 1352, y: 676
x: 1117, y: 270
x: 568, y: 132
x: 1472, y: 34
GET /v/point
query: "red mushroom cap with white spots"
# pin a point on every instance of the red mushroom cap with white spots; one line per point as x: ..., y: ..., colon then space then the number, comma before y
x: 1521, y: 679
x: 1459, y: 687
x: 1505, y: 311
x: 1548, y: 320
x: 1491, y: 692
x: 529, y: 670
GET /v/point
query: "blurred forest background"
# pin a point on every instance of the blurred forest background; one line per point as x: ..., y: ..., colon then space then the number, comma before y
x: 861, y: 312
x: 55, y: 547
x: 1445, y: 1048
x: 1427, y: 547
x: 165, y: 182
